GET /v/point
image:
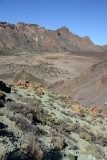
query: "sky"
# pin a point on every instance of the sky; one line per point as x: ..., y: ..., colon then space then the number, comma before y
x: 82, y: 17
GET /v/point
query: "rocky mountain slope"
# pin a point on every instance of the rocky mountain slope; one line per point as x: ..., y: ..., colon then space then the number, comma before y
x: 36, y: 124
x: 32, y: 37
x: 89, y: 88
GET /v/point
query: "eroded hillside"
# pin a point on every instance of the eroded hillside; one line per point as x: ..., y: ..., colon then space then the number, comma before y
x: 89, y: 88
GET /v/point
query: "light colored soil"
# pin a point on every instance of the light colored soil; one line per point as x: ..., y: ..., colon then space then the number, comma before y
x: 55, y: 67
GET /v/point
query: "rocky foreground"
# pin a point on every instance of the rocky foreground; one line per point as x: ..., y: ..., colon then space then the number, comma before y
x: 41, y: 125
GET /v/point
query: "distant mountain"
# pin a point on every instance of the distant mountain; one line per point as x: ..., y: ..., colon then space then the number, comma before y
x: 35, y: 38
x: 104, y: 47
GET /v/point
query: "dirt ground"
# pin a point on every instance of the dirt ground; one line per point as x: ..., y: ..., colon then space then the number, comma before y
x: 50, y: 67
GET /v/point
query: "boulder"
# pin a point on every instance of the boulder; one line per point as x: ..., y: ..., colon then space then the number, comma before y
x: 2, y: 126
x: 95, y: 110
x: 24, y: 83
x: 39, y: 91
x: 28, y: 85
x: 4, y: 87
x: 78, y: 110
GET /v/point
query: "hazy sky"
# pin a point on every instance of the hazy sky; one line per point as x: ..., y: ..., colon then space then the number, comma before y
x: 82, y: 17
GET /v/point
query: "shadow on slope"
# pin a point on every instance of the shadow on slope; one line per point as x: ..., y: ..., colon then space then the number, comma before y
x: 19, y: 155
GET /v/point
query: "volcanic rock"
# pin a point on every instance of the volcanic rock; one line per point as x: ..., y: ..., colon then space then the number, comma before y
x: 4, y: 87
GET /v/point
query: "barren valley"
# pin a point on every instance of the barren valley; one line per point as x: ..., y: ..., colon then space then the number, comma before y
x: 49, y: 67
x: 53, y: 95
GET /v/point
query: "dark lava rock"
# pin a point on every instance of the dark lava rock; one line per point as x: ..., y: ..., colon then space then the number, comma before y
x: 17, y: 155
x: 53, y: 155
x: 1, y: 105
x: 4, y: 133
x: 1, y: 114
x: 4, y: 88
x: 2, y: 126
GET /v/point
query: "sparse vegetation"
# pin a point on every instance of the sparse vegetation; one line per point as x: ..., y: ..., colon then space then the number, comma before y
x: 86, y: 136
x: 71, y: 157
x: 58, y: 143
x: 46, y: 123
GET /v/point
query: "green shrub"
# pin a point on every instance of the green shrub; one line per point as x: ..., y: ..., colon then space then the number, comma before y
x: 86, y: 136
x: 72, y: 127
x: 68, y: 120
x: 2, y: 96
x: 91, y: 150
x: 95, y: 151
x: 71, y: 156
x: 1, y: 93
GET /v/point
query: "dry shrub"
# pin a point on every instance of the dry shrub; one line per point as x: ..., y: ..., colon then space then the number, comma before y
x: 24, y: 109
x: 58, y: 143
x: 33, y: 148
x: 4, y: 155
x: 22, y: 122
x: 18, y: 107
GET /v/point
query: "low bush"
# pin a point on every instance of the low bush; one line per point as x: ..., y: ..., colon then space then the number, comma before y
x: 86, y: 136
x: 72, y: 157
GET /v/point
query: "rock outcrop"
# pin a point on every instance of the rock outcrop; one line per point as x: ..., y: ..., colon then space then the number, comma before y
x: 25, y: 84
x: 95, y: 110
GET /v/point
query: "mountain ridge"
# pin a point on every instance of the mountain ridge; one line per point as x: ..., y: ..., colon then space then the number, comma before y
x: 36, y: 38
